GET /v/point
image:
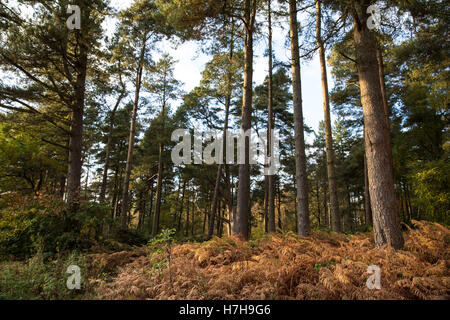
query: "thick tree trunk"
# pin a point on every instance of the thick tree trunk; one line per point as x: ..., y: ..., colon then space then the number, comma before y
x: 335, y: 217
x: 108, y: 147
x: 243, y: 201
x: 300, y: 155
x: 76, y: 132
x: 386, y: 218
x: 126, y: 182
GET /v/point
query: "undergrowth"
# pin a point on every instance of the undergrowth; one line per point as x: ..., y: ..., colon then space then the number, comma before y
x: 323, y: 266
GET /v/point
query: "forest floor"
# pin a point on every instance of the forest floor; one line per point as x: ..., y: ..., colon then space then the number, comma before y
x: 323, y: 266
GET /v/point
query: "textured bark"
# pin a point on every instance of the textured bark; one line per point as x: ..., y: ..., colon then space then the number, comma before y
x: 76, y: 131
x: 243, y: 199
x: 386, y: 220
x: 126, y: 182
x: 300, y: 156
x: 335, y: 216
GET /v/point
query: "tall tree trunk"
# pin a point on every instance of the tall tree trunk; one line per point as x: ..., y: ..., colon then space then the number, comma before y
x: 224, y: 141
x: 181, y: 204
x: 243, y: 201
x: 150, y: 213
x: 280, y: 226
x: 76, y: 129
x: 126, y: 182
x: 269, y: 179
x: 108, y: 146
x: 325, y: 207
x: 386, y: 219
x: 229, y: 200
x: 300, y: 155
x: 155, y: 228
x: 335, y: 217
x: 187, y: 215
x: 318, y: 199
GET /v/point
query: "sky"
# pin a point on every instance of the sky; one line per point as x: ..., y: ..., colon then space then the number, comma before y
x: 191, y: 63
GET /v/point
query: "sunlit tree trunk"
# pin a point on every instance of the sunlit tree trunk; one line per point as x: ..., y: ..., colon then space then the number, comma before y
x: 243, y: 201
x: 335, y: 216
x: 300, y: 155
x: 386, y: 220
x: 126, y: 182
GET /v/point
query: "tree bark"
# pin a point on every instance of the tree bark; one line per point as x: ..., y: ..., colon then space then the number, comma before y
x: 76, y: 130
x: 386, y: 220
x: 126, y: 182
x: 335, y: 217
x: 300, y: 155
x: 243, y: 201
x: 271, y: 126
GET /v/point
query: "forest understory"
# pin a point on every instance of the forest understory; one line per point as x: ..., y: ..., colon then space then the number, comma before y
x: 321, y: 267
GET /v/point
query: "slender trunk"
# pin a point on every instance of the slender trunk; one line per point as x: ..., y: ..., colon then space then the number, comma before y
x: 386, y: 219
x: 335, y: 217
x: 280, y: 226
x: 141, y: 206
x: 325, y: 207
x: 224, y: 141
x: 108, y: 147
x: 155, y: 228
x: 150, y: 214
x: 187, y: 216
x: 300, y: 155
x: 266, y: 204
x: 126, y: 182
x: 181, y: 204
x: 271, y: 125
x: 243, y: 201
x: 86, y: 182
x: 193, y: 219
x: 318, y: 199
x: 229, y: 200
x: 367, y: 207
